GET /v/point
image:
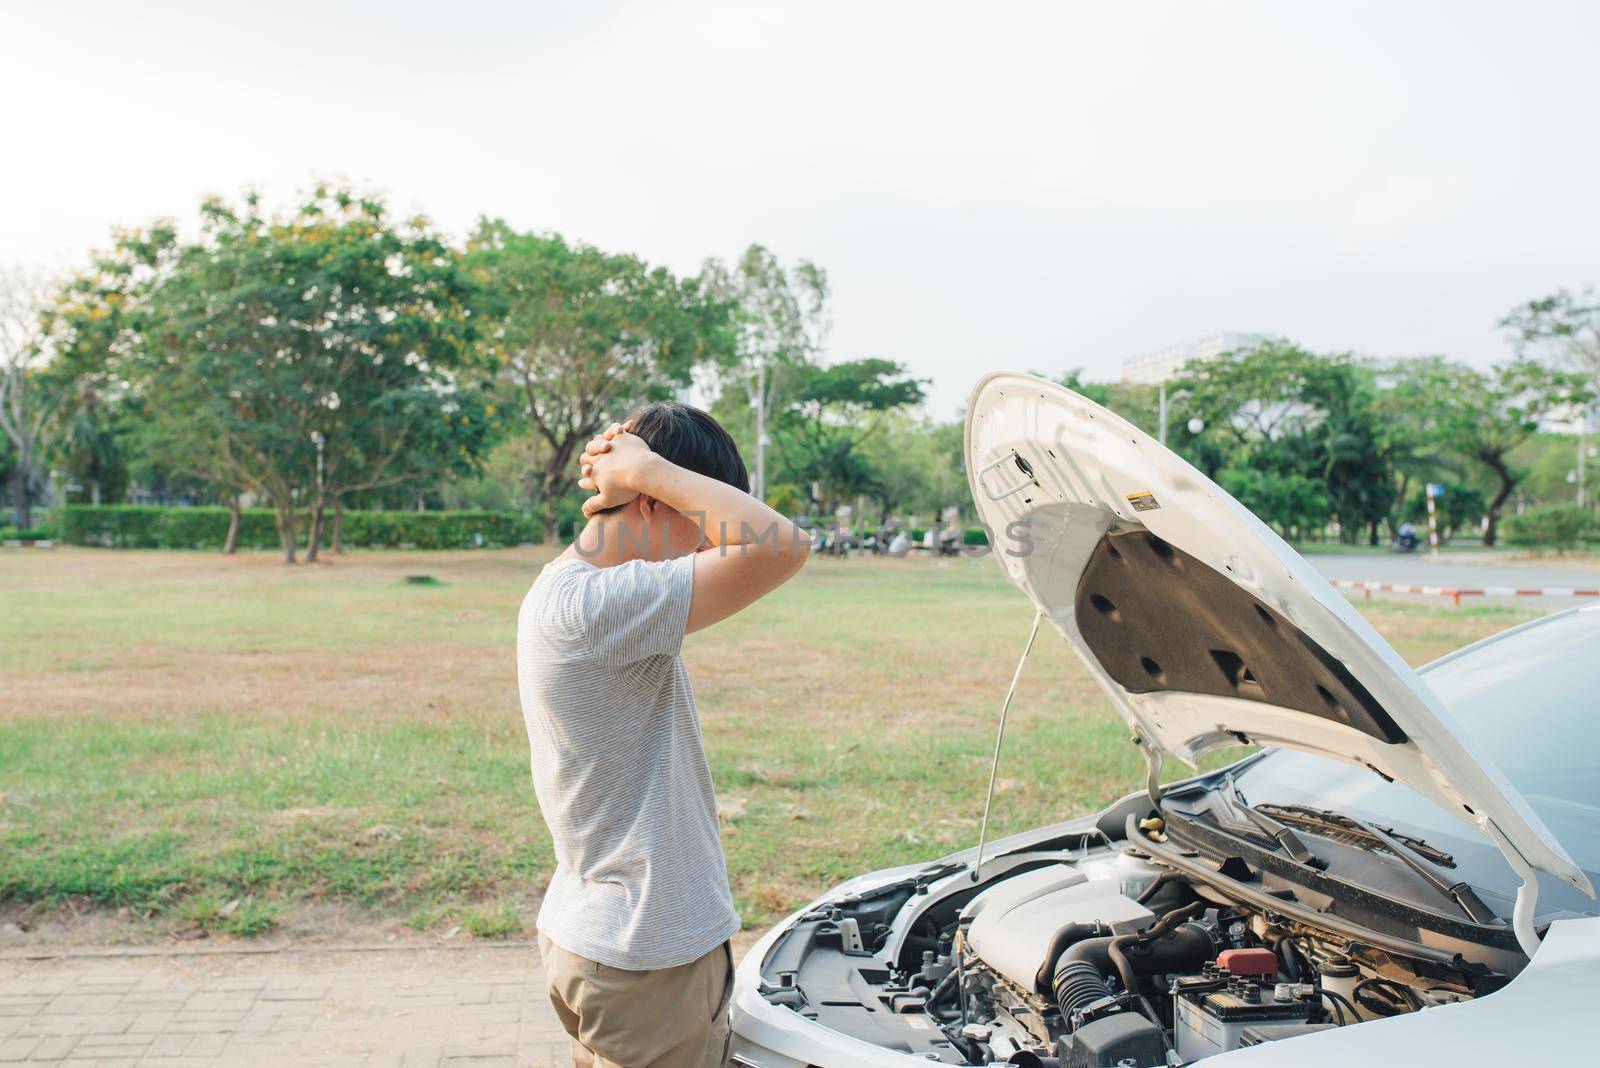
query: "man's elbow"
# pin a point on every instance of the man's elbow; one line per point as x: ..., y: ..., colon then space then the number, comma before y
x: 800, y: 548
x: 794, y: 545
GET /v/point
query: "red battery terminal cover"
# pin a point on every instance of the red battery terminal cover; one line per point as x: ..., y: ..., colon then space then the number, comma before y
x: 1252, y: 962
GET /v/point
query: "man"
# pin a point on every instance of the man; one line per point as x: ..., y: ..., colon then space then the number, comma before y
x: 634, y: 928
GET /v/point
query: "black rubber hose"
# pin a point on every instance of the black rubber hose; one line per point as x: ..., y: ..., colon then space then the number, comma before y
x: 1169, y: 920
x: 1080, y: 977
x: 1155, y: 936
x: 1090, y: 951
x: 939, y: 993
x: 1028, y: 1059
x: 1185, y: 949
x: 1288, y: 959
x: 1187, y: 944
x: 1078, y: 983
x: 1069, y: 935
x: 1155, y: 885
x: 1340, y: 1000
x: 1384, y: 1008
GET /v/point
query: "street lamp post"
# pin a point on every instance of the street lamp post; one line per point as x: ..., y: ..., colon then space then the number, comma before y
x: 1583, y: 449
x: 318, y: 440
x: 758, y: 485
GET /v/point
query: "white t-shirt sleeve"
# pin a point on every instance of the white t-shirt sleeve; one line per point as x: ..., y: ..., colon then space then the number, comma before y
x: 637, y: 609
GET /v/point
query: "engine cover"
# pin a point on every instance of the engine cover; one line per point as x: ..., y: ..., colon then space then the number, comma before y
x: 1013, y: 921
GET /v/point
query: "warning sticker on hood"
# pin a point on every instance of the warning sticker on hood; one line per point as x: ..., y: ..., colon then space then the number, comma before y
x: 1143, y: 501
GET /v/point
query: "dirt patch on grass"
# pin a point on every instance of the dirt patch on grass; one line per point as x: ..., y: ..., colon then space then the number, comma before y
x: 403, y: 678
x: 302, y: 924
x: 151, y: 633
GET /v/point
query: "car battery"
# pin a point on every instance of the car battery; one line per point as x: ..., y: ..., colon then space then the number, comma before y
x: 1215, y: 1009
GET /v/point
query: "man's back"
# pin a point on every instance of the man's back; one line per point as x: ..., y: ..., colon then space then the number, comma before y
x: 635, y: 927
x: 618, y: 765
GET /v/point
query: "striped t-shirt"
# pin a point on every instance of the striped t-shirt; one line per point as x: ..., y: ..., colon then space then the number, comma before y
x: 618, y: 765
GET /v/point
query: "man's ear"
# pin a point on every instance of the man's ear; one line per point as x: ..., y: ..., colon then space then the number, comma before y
x: 648, y: 506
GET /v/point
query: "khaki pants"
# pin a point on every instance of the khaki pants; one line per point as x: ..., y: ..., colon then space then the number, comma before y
x: 670, y: 1018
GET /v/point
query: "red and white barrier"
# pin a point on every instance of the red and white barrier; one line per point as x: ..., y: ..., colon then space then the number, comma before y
x: 1455, y: 593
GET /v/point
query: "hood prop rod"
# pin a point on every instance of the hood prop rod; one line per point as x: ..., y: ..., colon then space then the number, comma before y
x: 999, y: 736
x: 1522, y: 910
x: 1152, y: 777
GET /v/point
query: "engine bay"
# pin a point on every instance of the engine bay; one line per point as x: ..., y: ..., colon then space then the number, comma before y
x: 1099, y: 955
x: 1186, y: 923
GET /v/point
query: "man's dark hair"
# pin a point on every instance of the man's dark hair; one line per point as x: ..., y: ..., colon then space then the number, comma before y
x: 690, y: 438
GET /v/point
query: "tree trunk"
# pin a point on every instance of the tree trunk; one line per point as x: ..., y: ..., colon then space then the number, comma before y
x: 552, y: 530
x: 287, y: 532
x: 558, y: 473
x: 1372, y: 532
x: 1397, y: 514
x: 230, y: 544
x: 19, y: 496
x: 314, y: 539
x: 338, y: 525
x: 23, y: 495
x: 1508, y: 483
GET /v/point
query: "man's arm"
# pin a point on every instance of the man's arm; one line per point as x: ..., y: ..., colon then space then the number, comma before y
x: 750, y: 550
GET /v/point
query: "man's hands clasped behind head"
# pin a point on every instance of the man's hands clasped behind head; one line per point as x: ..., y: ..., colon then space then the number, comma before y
x: 610, y: 467
x: 743, y: 549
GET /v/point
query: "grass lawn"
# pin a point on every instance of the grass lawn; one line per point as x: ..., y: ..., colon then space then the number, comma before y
x: 215, y: 743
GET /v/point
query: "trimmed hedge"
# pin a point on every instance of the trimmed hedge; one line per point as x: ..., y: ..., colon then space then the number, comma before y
x: 131, y: 526
x: 437, y: 530
x: 1550, y: 526
x: 972, y: 536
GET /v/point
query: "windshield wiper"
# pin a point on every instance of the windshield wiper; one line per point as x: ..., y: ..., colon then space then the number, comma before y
x: 1325, y: 819
x: 1464, y: 896
x: 1291, y: 843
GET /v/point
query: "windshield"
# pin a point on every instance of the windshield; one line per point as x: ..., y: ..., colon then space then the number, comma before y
x: 1528, y: 698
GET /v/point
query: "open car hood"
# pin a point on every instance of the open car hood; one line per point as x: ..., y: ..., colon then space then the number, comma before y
x: 1204, y: 627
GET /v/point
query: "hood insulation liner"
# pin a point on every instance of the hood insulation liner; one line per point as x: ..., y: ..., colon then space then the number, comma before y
x: 1159, y: 620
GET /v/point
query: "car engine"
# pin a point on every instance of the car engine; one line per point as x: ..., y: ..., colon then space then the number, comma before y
x: 1102, y: 959
x: 1129, y: 963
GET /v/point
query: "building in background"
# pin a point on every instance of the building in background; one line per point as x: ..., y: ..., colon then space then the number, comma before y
x: 1153, y: 368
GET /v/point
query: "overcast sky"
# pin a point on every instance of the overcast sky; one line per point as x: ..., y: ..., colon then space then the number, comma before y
x: 987, y: 185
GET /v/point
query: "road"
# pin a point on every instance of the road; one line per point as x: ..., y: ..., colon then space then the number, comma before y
x: 1461, y: 570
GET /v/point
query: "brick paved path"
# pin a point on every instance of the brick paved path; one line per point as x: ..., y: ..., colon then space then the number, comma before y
x: 479, y: 1007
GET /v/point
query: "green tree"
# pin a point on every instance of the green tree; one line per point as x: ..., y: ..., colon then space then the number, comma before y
x: 1294, y: 434
x: 780, y: 325
x: 580, y: 336
x: 1462, y: 506
x: 95, y: 326
x: 1484, y: 416
x: 1563, y: 325
x: 916, y: 463
x: 269, y: 333
x: 26, y: 402
x: 1564, y: 328
x: 91, y: 441
x: 1403, y: 412
x: 835, y: 413
x: 1295, y: 504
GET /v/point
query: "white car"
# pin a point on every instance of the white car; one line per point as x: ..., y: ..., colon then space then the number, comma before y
x: 1388, y: 880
